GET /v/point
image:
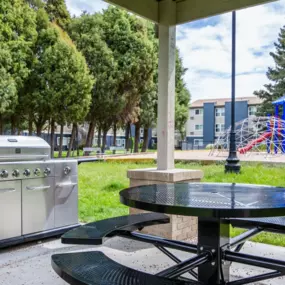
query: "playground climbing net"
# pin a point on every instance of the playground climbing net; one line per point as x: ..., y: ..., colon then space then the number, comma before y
x: 258, y: 135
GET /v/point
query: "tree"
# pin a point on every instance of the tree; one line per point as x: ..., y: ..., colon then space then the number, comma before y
x: 120, y: 56
x: 36, y: 96
x: 148, y: 114
x: 8, y: 94
x: 134, y: 50
x: 69, y: 80
x: 182, y: 98
x: 59, y: 86
x: 182, y: 111
x: 17, y: 36
x: 36, y: 4
x: 58, y: 12
x: 149, y: 104
x: 87, y: 33
x: 276, y: 75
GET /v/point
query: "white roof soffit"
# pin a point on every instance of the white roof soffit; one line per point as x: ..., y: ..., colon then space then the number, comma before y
x: 186, y: 10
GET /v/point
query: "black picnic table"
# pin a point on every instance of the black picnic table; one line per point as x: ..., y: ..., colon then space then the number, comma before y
x: 214, y: 204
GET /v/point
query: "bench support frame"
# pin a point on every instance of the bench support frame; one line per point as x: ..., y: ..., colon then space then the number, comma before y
x: 213, y: 255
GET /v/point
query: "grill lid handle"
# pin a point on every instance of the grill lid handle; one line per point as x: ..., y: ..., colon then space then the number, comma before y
x: 37, y: 188
x: 7, y: 190
x: 65, y: 184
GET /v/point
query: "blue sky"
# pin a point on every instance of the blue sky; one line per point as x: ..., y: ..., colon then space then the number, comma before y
x: 205, y: 47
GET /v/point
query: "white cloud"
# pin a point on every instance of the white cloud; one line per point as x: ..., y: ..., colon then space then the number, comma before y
x: 206, y: 51
x: 76, y: 7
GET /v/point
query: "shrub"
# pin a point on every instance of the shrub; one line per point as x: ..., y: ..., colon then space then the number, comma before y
x: 209, y: 146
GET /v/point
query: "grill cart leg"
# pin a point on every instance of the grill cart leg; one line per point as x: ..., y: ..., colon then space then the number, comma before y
x: 212, y: 235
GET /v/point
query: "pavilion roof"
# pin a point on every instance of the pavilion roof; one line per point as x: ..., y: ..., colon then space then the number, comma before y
x: 177, y: 12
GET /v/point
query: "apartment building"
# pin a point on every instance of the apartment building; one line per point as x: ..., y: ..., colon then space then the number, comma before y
x: 208, y: 119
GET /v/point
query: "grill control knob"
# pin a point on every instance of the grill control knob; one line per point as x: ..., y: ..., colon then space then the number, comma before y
x: 66, y: 170
x: 27, y: 172
x: 37, y: 171
x: 47, y: 171
x: 16, y: 173
x: 4, y: 174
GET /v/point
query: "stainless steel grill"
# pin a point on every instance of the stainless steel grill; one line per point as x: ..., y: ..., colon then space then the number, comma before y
x: 38, y: 195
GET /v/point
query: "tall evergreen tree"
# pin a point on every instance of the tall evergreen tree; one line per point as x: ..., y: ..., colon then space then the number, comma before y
x: 122, y: 58
x: 58, y: 88
x: 87, y: 33
x: 276, y: 75
x: 17, y: 37
x: 58, y: 12
x: 36, y: 4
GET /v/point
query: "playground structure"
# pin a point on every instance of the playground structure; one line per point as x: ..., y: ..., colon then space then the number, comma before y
x: 264, y: 135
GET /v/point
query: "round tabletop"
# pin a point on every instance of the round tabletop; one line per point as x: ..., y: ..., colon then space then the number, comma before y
x: 216, y: 200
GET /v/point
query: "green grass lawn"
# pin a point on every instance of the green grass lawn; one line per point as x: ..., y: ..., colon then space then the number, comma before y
x: 100, y: 183
x: 108, y: 152
x: 64, y: 153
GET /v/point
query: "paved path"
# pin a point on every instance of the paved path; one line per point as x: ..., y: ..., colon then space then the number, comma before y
x: 30, y: 265
x: 204, y: 156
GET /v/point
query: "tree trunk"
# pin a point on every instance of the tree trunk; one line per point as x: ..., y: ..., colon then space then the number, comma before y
x: 115, y: 135
x: 77, y: 139
x: 75, y: 143
x: 72, y: 139
x: 52, y: 131
x: 104, y: 143
x: 99, y: 137
x: 145, y: 140
x: 30, y: 127
x: 128, y: 129
x: 60, y: 141
x: 1, y: 125
x: 90, y: 136
x: 137, y: 136
x: 39, y: 129
x: 48, y: 128
x: 13, y: 126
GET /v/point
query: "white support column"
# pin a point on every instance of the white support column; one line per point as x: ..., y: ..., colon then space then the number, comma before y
x: 166, y: 97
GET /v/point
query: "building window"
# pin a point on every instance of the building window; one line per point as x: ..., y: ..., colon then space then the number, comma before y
x: 198, y: 142
x: 65, y: 141
x: 220, y: 128
x: 198, y: 112
x: 120, y: 142
x: 220, y: 112
x: 252, y: 110
x: 198, y: 127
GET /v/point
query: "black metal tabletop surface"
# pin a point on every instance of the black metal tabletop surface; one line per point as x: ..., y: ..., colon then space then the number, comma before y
x: 214, y: 200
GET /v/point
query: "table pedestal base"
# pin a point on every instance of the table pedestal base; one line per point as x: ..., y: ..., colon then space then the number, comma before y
x: 212, y: 235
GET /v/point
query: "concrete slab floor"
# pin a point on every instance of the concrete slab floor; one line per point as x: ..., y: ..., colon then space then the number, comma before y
x: 30, y: 264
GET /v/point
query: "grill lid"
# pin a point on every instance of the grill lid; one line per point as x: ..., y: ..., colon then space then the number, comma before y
x: 20, y: 148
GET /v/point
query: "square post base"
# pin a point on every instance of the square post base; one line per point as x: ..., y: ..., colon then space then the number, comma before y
x: 180, y: 227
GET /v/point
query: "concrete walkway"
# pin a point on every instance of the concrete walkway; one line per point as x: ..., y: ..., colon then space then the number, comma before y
x: 30, y: 264
x: 203, y: 156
